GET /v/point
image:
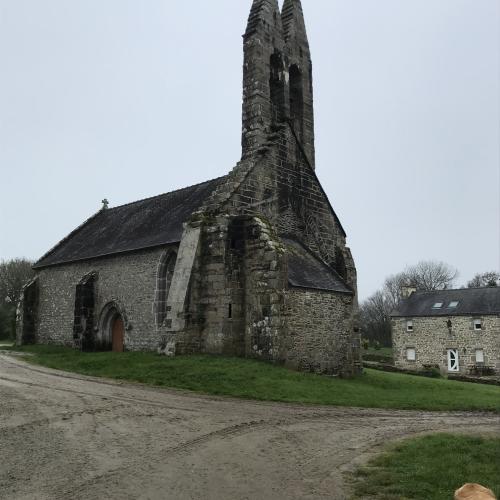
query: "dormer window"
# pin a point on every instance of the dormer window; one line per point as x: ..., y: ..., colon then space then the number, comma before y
x: 409, y: 326
x: 437, y: 305
x: 453, y: 304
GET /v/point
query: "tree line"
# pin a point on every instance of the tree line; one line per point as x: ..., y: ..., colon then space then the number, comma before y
x: 14, y: 274
x: 375, y: 312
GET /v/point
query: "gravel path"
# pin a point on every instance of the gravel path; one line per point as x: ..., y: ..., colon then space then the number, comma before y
x: 65, y: 436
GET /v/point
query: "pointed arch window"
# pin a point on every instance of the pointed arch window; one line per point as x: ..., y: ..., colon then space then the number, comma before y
x: 83, y: 323
x: 296, y: 99
x: 166, y: 269
x: 277, y: 87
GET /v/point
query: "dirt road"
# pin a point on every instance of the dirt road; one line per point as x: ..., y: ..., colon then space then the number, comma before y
x: 71, y: 437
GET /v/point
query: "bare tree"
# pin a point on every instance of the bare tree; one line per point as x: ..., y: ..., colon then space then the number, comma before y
x: 375, y: 312
x: 431, y: 275
x: 375, y: 318
x: 14, y: 274
x: 394, y: 288
x: 487, y: 279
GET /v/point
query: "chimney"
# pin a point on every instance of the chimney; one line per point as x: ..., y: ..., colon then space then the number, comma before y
x: 407, y: 291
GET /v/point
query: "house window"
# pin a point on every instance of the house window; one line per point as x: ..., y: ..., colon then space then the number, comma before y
x: 479, y: 356
x: 478, y: 325
x: 411, y: 354
x: 409, y: 326
x: 437, y: 305
x: 230, y: 311
x: 453, y: 305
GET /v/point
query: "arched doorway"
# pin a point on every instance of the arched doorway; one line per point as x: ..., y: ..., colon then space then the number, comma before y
x: 112, y: 327
x: 117, y: 334
x: 29, y: 311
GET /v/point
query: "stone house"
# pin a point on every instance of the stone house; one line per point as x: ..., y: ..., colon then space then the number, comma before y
x: 252, y: 264
x: 457, y: 330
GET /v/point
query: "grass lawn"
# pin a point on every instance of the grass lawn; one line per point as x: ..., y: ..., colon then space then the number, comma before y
x: 431, y: 468
x: 263, y: 381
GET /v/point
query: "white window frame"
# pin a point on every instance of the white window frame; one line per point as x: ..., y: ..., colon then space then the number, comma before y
x: 438, y: 305
x: 409, y: 326
x: 411, y: 350
x: 480, y: 356
x: 453, y: 360
x: 475, y: 323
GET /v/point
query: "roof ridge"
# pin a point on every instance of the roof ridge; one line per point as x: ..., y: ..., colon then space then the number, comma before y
x: 421, y: 292
x: 110, y: 213
x: 167, y: 193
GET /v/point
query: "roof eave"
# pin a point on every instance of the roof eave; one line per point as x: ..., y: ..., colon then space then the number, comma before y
x: 38, y: 267
x: 317, y: 289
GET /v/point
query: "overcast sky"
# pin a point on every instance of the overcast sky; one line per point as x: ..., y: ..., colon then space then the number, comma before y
x: 126, y: 99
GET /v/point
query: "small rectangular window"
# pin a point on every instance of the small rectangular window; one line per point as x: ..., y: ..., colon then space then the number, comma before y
x: 409, y: 326
x: 230, y: 311
x: 479, y: 356
x: 437, y: 305
x: 453, y: 305
x: 478, y: 324
x: 411, y: 355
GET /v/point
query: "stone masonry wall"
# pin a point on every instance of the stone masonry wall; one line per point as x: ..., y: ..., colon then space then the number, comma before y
x: 320, y: 332
x: 238, y: 290
x: 431, y: 338
x: 265, y: 288
x: 283, y: 188
x: 129, y: 280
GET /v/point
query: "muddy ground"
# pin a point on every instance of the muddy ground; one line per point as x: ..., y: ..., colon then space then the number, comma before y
x: 73, y: 437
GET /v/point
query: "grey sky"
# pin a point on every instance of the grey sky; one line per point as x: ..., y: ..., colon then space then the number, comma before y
x: 126, y: 99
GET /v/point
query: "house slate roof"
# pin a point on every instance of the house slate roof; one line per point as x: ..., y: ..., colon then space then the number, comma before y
x: 480, y: 301
x: 307, y: 271
x: 136, y: 226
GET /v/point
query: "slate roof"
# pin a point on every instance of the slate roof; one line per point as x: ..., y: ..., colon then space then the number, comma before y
x: 144, y: 224
x: 480, y: 301
x: 307, y: 271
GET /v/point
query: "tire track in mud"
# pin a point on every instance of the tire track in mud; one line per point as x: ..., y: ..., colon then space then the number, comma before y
x: 305, y: 409
x: 145, y: 449
x: 125, y: 399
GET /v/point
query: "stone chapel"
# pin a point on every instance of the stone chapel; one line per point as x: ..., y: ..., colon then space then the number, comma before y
x: 253, y: 264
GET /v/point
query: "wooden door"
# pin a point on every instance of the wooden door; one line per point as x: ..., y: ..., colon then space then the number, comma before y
x: 118, y: 335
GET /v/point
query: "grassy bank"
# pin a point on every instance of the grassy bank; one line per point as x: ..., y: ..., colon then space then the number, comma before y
x: 431, y: 468
x: 382, y: 355
x: 262, y: 381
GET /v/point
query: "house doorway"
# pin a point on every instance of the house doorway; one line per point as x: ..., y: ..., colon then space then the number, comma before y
x: 453, y: 362
x: 117, y: 334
